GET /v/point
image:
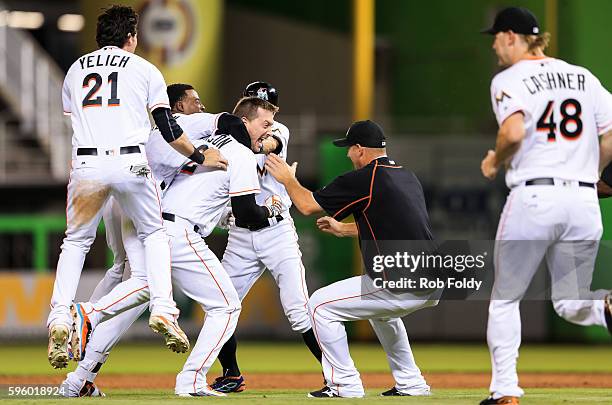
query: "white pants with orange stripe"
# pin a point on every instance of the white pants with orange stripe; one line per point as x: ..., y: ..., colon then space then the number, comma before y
x: 562, y: 224
x: 357, y: 299
x: 198, y: 273
x: 249, y: 253
x: 93, y: 179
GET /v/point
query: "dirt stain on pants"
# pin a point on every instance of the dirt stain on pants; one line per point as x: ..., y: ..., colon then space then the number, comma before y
x: 88, y: 199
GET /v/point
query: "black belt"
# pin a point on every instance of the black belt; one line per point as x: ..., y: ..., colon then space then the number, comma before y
x: 172, y: 218
x: 124, y: 150
x: 547, y: 181
x: 258, y: 226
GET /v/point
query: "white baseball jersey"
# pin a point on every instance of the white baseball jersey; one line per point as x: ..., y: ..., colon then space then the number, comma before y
x: 200, y: 194
x: 565, y: 108
x: 269, y: 185
x: 111, y: 89
x: 164, y: 160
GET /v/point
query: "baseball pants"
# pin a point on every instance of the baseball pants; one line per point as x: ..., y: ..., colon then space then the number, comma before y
x: 561, y: 224
x: 93, y: 179
x: 355, y: 299
x: 112, y: 215
x: 249, y: 253
x: 199, y: 274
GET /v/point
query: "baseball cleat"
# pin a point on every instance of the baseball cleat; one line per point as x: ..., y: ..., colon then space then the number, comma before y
x: 608, y: 311
x: 176, y: 340
x: 81, y: 332
x: 503, y: 400
x: 324, y: 392
x: 394, y: 392
x: 205, y: 392
x: 229, y: 384
x: 88, y: 389
x: 58, y: 346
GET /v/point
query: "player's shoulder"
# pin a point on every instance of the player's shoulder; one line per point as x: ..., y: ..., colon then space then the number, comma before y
x: 196, y: 117
x: 506, y: 76
x: 280, y: 127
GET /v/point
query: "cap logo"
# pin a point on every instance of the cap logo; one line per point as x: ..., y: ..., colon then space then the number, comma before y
x: 262, y: 94
x: 383, y: 143
x: 536, y: 30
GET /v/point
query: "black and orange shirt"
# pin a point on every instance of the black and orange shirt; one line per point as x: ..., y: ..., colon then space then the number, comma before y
x: 385, y: 199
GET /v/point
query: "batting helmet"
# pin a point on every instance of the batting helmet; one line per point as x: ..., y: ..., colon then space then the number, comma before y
x: 263, y: 90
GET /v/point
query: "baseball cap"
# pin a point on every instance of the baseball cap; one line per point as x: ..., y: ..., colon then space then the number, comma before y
x: 365, y: 133
x: 517, y: 19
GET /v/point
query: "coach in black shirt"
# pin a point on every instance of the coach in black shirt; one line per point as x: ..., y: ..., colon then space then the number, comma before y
x: 387, y: 203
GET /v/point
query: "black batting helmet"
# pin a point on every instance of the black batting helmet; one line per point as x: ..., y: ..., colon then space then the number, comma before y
x: 263, y: 90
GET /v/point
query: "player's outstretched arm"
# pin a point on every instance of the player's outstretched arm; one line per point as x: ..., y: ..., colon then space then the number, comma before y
x: 302, y: 197
x: 340, y: 229
x: 509, y: 138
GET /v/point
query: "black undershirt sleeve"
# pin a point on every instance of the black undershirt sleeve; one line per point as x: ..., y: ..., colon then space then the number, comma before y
x: 246, y: 210
x: 169, y: 128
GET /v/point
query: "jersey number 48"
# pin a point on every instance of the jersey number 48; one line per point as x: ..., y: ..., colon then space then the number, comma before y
x: 547, y: 122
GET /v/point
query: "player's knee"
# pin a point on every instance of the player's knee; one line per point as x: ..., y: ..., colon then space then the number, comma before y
x: 571, y: 311
x: 80, y: 242
x: 159, y: 235
x: 299, y: 320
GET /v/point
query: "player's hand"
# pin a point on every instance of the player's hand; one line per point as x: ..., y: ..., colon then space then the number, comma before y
x: 279, y: 169
x: 603, y: 189
x: 488, y: 166
x: 227, y: 219
x: 213, y: 158
x: 330, y: 225
x: 275, y: 205
x: 269, y: 145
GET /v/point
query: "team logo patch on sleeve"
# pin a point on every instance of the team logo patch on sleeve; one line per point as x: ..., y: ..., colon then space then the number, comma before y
x: 499, y: 98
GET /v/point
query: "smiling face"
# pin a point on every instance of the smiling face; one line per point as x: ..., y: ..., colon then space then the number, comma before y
x: 190, y: 103
x: 259, y: 127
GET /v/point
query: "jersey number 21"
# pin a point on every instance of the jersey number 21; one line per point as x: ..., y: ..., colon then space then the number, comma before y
x: 90, y: 101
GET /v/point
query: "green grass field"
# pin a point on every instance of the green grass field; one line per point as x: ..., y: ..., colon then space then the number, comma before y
x: 30, y: 360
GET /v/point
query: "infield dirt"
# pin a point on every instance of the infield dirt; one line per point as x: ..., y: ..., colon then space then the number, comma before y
x: 314, y: 380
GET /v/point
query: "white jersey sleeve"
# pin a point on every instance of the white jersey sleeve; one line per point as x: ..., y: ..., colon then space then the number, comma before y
x: 243, y: 174
x: 66, y: 95
x: 505, y: 99
x: 281, y: 132
x: 269, y: 185
x: 603, y: 108
x: 158, y: 95
x: 198, y: 125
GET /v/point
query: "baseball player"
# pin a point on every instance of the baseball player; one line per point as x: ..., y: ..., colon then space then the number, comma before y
x: 195, y: 269
x: 550, y: 114
x: 387, y: 203
x: 107, y: 94
x: 184, y: 100
x: 252, y: 249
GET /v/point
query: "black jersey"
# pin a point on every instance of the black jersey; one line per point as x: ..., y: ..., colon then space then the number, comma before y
x: 386, y: 201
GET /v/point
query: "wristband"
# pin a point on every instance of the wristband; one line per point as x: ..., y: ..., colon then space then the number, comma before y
x: 197, y: 156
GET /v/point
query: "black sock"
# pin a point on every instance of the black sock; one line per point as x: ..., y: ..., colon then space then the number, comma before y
x: 227, y: 358
x: 313, y: 345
